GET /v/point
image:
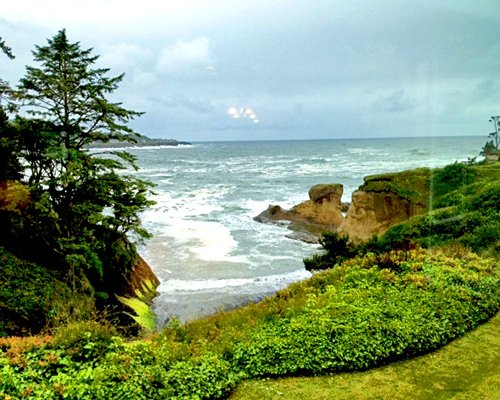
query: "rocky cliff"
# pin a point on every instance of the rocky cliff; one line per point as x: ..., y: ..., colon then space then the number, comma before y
x: 381, y: 202
x: 140, y: 278
x: 322, y: 212
x: 384, y: 201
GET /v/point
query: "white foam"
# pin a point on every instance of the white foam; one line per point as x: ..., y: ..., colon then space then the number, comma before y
x: 132, y: 147
x: 271, y: 282
x: 169, y: 209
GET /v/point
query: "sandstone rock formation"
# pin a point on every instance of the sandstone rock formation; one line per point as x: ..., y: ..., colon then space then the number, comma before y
x: 373, y: 213
x: 384, y: 201
x: 322, y: 212
x: 380, y: 203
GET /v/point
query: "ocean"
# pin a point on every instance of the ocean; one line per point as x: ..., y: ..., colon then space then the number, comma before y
x: 207, y: 250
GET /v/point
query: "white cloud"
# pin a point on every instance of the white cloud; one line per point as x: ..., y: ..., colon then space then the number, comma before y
x: 184, y: 55
x: 123, y: 56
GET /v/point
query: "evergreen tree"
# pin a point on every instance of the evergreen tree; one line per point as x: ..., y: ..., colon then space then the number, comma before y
x: 84, y: 209
x: 70, y: 92
x: 10, y: 167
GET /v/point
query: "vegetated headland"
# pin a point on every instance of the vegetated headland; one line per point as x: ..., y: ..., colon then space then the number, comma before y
x: 410, y: 268
x: 138, y: 140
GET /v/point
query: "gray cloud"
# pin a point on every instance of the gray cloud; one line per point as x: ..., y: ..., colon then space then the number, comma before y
x: 327, y: 68
x: 397, y: 101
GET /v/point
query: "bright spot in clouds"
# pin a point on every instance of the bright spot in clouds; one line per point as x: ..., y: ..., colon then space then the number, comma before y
x: 243, y: 112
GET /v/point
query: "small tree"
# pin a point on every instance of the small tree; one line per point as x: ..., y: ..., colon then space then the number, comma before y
x: 492, y: 146
x: 70, y: 92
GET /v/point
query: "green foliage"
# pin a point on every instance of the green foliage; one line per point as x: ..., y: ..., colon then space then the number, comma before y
x: 6, y: 49
x: 10, y: 166
x: 337, y: 249
x: 452, y: 177
x: 24, y: 291
x: 464, y: 369
x: 6, y: 93
x: 33, y: 297
x: 368, y: 315
x: 82, y: 217
x: 353, y: 317
x: 491, y: 147
x: 69, y: 92
x: 488, y: 148
x: 144, y: 316
x: 412, y: 185
x: 83, y: 340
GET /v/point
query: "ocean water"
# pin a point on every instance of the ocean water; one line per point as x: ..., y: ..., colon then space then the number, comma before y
x: 207, y: 250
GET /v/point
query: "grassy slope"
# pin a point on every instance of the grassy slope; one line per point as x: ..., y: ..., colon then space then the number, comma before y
x: 467, y: 368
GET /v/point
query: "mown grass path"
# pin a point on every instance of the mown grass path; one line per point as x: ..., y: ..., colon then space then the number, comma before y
x: 466, y: 369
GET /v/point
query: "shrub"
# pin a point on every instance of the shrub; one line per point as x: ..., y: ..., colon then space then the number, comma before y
x: 371, y: 316
x: 85, y: 340
x: 31, y: 297
x: 452, y: 177
x: 337, y: 249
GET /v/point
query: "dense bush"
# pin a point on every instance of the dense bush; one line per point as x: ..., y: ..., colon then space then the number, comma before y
x: 452, y: 177
x: 370, y: 315
x: 337, y: 250
x: 33, y: 297
x: 368, y: 311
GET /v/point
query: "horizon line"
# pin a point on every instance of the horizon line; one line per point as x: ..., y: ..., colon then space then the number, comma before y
x: 326, y: 139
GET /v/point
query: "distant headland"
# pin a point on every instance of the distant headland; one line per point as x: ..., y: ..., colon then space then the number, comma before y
x: 139, y: 141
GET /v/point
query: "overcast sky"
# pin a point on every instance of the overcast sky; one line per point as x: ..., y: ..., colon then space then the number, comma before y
x: 282, y: 69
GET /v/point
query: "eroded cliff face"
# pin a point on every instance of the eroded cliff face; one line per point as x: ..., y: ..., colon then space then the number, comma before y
x: 373, y: 213
x: 384, y: 201
x: 140, y: 278
x: 324, y: 206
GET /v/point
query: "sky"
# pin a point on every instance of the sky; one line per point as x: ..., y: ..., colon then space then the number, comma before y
x: 282, y: 69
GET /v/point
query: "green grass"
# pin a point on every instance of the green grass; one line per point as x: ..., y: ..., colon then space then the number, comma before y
x: 411, y: 185
x: 467, y: 369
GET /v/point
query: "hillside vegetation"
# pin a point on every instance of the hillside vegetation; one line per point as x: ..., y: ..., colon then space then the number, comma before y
x: 407, y: 293
x: 355, y: 316
x: 466, y: 369
x: 69, y: 216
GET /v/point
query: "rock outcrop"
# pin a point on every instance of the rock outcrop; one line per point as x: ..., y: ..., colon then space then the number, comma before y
x: 373, y: 213
x: 322, y: 212
x: 384, y: 201
x: 380, y: 203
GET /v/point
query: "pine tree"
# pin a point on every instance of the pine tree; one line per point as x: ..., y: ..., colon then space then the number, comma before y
x: 86, y: 209
x: 70, y: 92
